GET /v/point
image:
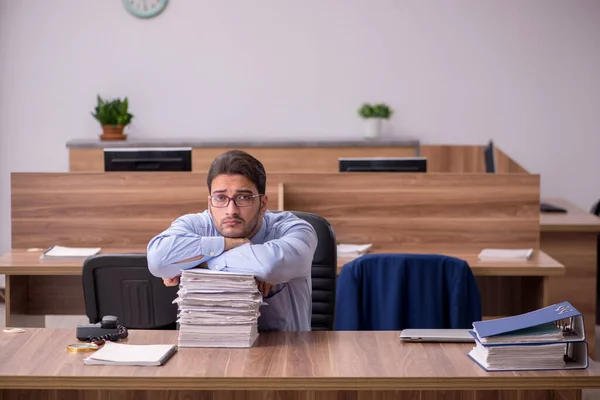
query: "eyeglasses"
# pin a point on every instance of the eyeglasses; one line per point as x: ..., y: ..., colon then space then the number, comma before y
x: 241, y: 200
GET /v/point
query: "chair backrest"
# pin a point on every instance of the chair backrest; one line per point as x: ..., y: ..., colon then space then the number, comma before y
x: 402, y: 291
x: 323, y: 272
x: 121, y: 285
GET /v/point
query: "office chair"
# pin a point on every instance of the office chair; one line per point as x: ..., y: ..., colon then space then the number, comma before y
x: 121, y: 285
x: 402, y: 291
x: 323, y: 272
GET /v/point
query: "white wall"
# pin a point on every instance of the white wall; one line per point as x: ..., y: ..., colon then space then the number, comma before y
x: 523, y: 72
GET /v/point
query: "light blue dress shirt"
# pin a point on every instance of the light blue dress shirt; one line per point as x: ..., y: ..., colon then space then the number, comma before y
x: 280, y: 253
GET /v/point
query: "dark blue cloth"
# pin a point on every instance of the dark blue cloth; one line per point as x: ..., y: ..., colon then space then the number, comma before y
x: 402, y: 291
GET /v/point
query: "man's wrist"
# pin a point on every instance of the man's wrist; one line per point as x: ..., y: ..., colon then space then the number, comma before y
x: 231, y: 243
x: 212, y: 246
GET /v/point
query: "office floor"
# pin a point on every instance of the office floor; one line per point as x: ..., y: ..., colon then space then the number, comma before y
x: 71, y: 321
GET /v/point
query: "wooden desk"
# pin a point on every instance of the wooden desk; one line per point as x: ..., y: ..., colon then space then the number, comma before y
x: 574, y: 220
x: 541, y: 264
x: 303, y: 365
x: 571, y: 239
x: 35, y: 287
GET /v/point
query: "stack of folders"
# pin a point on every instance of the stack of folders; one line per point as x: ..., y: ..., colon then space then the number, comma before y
x: 549, y: 338
x: 217, y: 309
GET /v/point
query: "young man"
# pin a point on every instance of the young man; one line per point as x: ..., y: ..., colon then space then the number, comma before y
x: 238, y: 234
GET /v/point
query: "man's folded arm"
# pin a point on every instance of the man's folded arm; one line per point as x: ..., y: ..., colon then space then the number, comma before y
x: 276, y: 261
x: 180, y: 247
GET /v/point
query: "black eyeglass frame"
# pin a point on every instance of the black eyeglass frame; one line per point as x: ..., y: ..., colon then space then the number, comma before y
x: 234, y: 200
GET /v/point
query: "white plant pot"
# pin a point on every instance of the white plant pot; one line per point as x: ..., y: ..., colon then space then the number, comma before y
x: 372, y: 128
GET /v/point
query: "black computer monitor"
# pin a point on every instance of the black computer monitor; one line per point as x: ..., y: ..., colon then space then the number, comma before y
x: 383, y: 164
x: 490, y: 158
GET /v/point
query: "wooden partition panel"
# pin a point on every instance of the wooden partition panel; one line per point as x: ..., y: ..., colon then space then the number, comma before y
x: 301, y: 159
x: 275, y: 158
x: 458, y: 159
x: 392, y: 211
x: 466, y: 159
x: 446, y: 158
x: 103, y: 209
x: 426, y: 211
x: 86, y: 160
x: 506, y: 165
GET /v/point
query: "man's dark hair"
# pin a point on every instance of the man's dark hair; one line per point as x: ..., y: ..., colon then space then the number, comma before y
x: 238, y: 162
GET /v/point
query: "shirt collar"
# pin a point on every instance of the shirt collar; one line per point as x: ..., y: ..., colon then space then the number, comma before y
x: 260, y: 236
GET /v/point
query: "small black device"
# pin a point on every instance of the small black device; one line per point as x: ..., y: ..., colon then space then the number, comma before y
x: 108, y: 329
x: 383, y: 164
x: 551, y: 208
x: 490, y: 158
x: 147, y: 159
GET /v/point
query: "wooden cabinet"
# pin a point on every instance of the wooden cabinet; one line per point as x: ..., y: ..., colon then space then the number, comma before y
x: 276, y: 157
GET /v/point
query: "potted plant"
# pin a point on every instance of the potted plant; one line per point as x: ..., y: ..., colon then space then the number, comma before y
x: 373, y: 115
x: 114, y: 116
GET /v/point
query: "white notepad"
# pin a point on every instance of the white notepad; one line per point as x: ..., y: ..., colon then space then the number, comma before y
x: 129, y: 354
x: 70, y: 252
x: 505, y: 254
x: 352, y: 250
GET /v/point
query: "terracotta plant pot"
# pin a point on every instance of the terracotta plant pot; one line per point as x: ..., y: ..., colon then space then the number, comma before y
x: 113, y: 132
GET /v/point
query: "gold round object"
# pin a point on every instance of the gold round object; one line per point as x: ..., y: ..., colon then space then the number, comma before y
x: 13, y: 330
x: 81, y: 347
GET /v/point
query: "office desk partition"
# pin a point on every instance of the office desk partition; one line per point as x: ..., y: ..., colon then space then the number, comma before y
x: 301, y: 365
x: 301, y: 157
x: 458, y: 211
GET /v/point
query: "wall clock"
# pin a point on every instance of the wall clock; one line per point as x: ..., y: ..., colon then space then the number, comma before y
x: 145, y: 8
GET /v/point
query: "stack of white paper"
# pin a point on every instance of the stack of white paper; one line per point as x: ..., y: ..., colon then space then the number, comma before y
x: 217, y: 309
x: 56, y: 252
x: 544, y: 356
x: 352, y: 250
x: 505, y: 254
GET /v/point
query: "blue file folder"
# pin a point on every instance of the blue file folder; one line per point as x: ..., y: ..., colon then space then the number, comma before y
x: 562, y: 314
x: 527, y: 331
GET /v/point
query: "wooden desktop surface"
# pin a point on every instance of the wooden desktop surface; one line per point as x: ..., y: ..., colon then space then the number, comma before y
x: 541, y: 264
x: 365, y: 360
x: 574, y: 220
x: 23, y: 262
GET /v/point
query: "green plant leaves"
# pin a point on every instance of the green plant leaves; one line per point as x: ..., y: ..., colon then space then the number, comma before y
x: 112, y: 112
x: 366, y: 111
x: 380, y: 110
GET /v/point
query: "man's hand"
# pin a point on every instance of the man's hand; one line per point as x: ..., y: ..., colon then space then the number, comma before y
x: 230, y: 243
x: 171, y: 281
x: 264, y: 288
